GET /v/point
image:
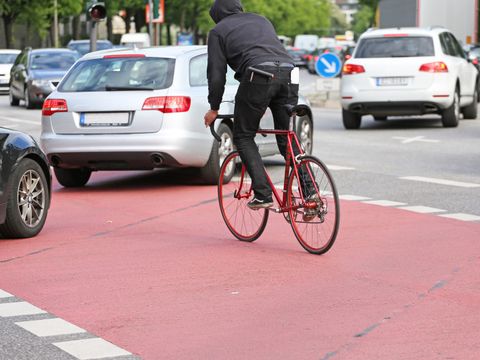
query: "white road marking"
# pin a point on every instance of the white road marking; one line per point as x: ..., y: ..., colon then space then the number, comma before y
x: 462, y: 216
x: 338, y: 167
x: 4, y: 294
x: 95, y: 348
x: 23, y: 121
x: 50, y: 327
x: 18, y: 309
x: 384, y: 203
x: 406, y: 140
x: 353, y: 197
x: 422, y: 209
x: 440, y: 181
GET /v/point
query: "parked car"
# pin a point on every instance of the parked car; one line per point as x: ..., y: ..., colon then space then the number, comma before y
x: 135, y: 40
x: 7, y: 58
x: 299, y: 56
x: 141, y: 109
x: 25, y: 185
x: 36, y: 72
x: 83, y: 46
x: 408, y: 71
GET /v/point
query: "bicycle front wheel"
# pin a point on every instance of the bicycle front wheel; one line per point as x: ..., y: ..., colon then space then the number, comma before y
x: 234, y: 192
x: 315, y: 218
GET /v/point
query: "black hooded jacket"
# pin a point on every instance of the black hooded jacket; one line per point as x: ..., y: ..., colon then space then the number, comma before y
x: 240, y: 40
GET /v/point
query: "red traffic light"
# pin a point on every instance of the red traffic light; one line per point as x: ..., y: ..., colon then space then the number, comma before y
x: 98, y: 11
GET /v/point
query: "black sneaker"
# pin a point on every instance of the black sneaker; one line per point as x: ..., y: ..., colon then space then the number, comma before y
x: 256, y: 204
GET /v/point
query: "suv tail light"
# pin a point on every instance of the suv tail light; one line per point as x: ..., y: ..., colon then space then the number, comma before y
x: 350, y: 69
x: 434, y: 67
x: 52, y: 106
x: 167, y: 104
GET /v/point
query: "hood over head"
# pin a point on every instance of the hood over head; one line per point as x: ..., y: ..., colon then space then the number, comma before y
x: 223, y: 8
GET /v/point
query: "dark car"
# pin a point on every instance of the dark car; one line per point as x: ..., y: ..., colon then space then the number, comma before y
x: 25, y: 185
x: 83, y: 46
x: 36, y: 72
x: 298, y: 55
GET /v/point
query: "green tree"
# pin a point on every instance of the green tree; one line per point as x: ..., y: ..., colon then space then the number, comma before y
x: 365, y: 17
x: 10, y: 10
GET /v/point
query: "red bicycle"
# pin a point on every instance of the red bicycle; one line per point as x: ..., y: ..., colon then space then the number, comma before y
x: 308, y: 200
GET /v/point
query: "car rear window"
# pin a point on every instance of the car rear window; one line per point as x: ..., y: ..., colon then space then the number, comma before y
x: 119, y: 74
x: 52, y: 61
x: 395, y: 46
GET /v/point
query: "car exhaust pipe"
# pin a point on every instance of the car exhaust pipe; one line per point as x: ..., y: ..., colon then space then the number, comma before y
x: 157, y: 159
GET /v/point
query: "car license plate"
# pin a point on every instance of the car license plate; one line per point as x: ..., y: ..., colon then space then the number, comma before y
x: 392, y: 81
x: 3, y: 81
x: 105, y: 119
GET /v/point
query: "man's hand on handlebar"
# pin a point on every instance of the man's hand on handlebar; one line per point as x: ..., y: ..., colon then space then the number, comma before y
x: 210, y: 117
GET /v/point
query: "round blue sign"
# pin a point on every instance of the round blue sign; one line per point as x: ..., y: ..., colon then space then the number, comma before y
x: 328, y: 65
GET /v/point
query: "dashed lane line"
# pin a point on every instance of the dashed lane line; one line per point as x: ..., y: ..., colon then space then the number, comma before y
x: 83, y: 349
x: 353, y: 197
x: 384, y: 203
x: 462, y: 216
x: 422, y: 209
x: 440, y: 181
x: 23, y: 121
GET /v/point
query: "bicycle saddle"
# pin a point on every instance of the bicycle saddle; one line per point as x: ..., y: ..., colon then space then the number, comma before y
x: 300, y: 109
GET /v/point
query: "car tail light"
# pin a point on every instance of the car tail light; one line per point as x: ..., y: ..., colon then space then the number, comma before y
x: 347, y: 57
x: 167, y: 104
x: 52, y: 106
x: 308, y: 57
x: 350, y: 69
x: 475, y: 61
x: 434, y: 67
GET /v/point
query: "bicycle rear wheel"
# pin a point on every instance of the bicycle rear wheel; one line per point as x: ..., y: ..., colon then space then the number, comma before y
x: 234, y: 192
x: 315, y: 220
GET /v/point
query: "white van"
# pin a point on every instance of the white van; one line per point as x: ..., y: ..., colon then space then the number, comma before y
x: 138, y: 40
x: 308, y: 42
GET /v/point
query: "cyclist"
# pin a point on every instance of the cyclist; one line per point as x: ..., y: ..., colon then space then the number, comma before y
x: 245, y: 40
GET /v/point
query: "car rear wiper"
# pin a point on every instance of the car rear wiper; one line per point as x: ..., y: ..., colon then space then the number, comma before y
x: 128, y: 88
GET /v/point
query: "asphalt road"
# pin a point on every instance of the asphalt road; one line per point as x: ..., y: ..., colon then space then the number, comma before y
x: 140, y: 264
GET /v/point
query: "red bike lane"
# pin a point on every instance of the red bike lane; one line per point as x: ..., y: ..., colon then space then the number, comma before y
x: 153, y: 269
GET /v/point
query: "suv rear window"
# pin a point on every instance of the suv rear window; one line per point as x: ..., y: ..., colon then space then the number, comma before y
x: 402, y: 46
x: 119, y: 74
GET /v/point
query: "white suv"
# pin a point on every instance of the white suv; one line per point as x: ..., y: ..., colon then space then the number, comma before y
x: 408, y: 71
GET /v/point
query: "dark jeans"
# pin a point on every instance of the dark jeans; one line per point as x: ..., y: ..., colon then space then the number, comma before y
x: 255, y: 94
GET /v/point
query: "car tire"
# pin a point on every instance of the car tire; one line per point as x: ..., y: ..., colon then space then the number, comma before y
x: 72, y: 177
x: 451, y: 115
x: 13, y: 100
x: 351, y: 120
x: 380, y: 118
x: 211, y: 171
x: 471, y: 111
x: 305, y: 133
x: 28, y: 100
x: 29, y: 185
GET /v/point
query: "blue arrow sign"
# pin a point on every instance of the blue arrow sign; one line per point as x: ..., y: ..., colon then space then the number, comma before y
x: 328, y: 65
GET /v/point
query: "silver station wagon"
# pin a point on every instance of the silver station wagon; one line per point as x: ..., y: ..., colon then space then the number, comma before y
x: 141, y: 109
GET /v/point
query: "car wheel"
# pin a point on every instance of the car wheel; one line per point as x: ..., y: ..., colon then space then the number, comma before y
x: 211, y: 171
x: 351, y: 120
x: 28, y: 202
x: 451, y: 115
x: 380, y: 118
x: 470, y: 111
x: 305, y: 134
x: 72, y: 177
x: 13, y: 100
x: 28, y: 101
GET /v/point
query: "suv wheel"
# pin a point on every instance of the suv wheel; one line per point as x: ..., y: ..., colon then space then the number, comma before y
x: 470, y: 111
x: 28, y: 101
x: 351, y: 120
x: 451, y: 115
x: 72, y: 177
x: 211, y: 171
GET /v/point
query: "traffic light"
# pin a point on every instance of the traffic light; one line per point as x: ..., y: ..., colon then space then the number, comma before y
x: 98, y: 11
